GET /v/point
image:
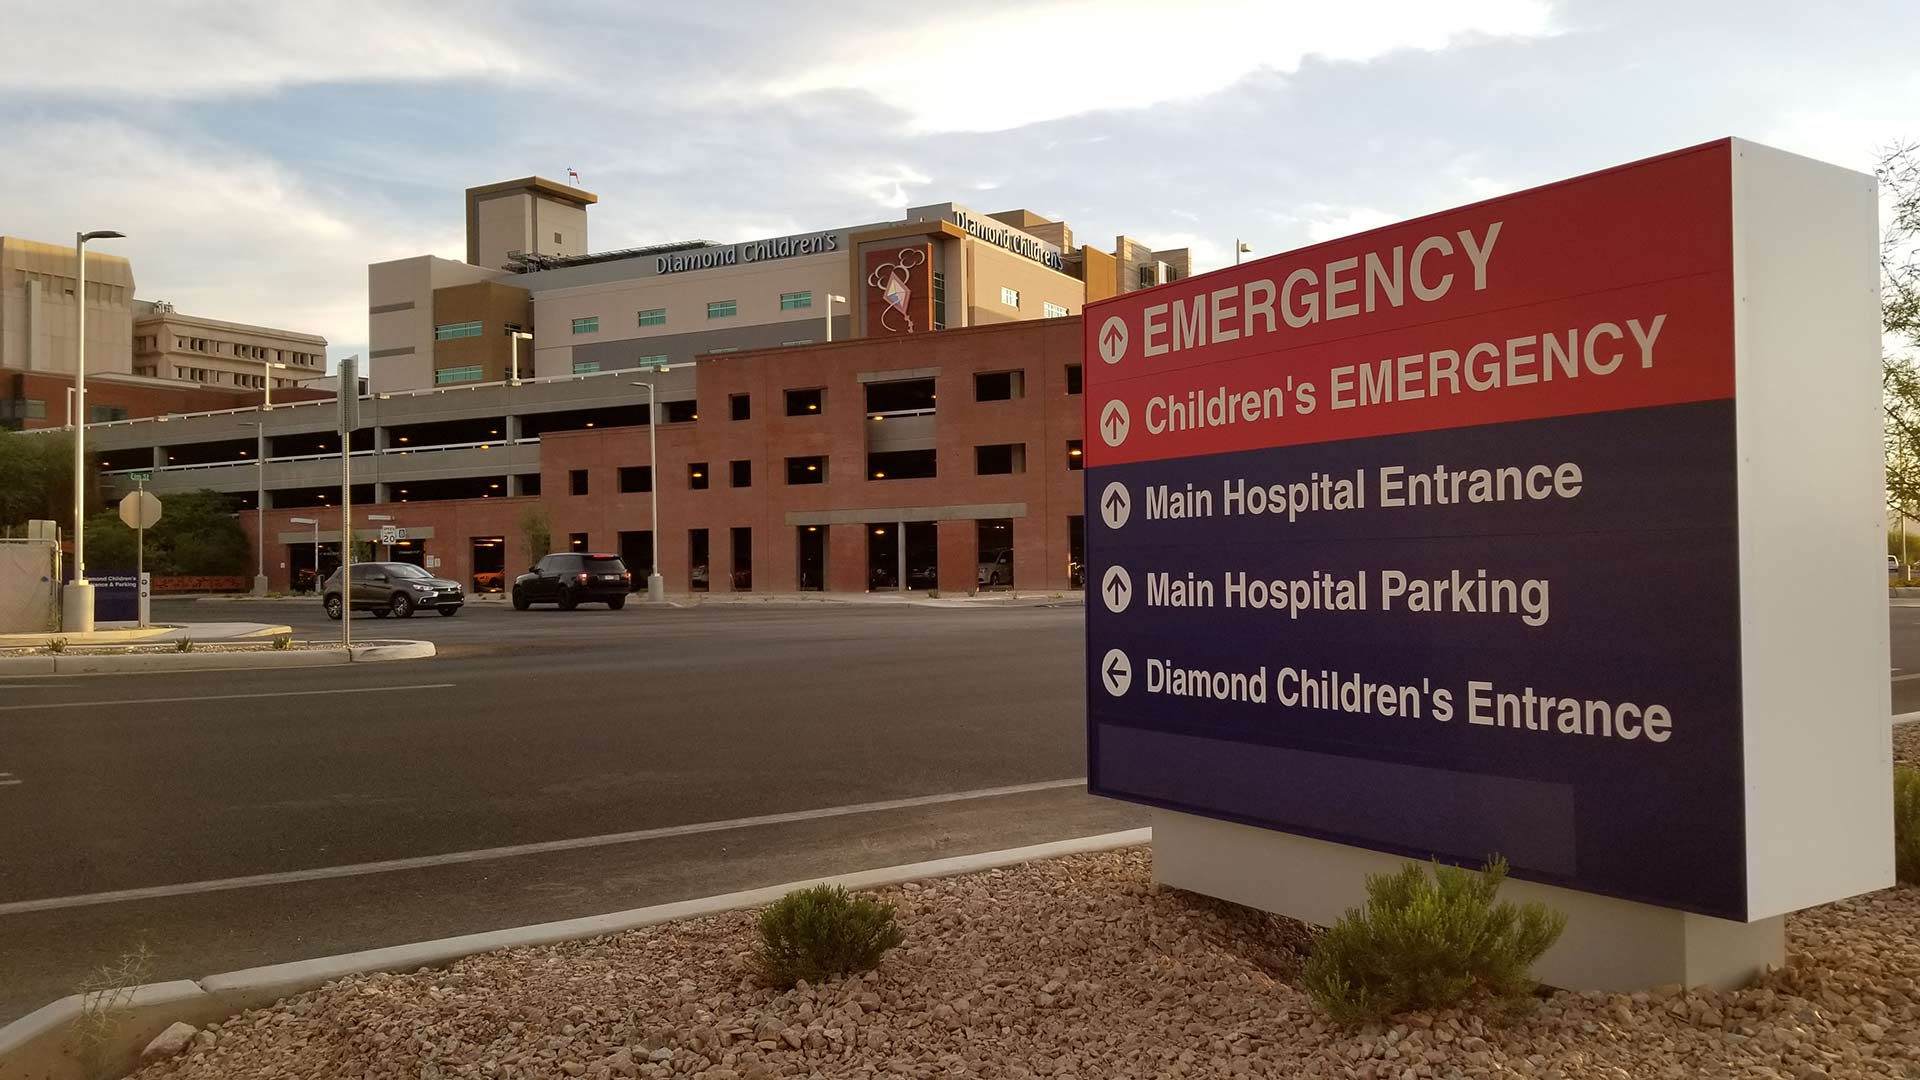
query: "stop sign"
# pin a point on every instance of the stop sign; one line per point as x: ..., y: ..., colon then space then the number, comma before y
x: 139, y: 510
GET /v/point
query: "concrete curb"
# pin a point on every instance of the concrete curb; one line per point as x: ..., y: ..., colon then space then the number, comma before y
x: 37, y: 1046
x: 163, y: 660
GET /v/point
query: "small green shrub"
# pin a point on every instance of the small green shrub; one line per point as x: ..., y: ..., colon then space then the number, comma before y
x: 1906, y: 824
x: 1429, y: 943
x: 283, y: 641
x: 183, y: 645
x: 57, y: 645
x: 819, y: 933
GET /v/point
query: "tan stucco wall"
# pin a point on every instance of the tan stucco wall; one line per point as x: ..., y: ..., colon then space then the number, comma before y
x: 41, y: 337
x: 163, y: 348
x: 404, y: 333
x: 755, y: 287
x: 990, y: 267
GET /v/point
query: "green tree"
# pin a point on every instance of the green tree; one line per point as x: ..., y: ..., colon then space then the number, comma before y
x: 36, y: 478
x: 198, y: 533
x: 1899, y: 174
x: 538, y: 529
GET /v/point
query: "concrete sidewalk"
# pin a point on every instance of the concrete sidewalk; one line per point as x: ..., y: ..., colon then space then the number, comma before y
x: 128, y: 634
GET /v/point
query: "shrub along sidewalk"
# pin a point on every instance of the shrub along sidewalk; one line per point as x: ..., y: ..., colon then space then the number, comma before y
x: 1078, y: 967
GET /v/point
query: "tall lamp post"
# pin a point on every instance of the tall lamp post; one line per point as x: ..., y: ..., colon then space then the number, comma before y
x: 1241, y: 247
x: 656, y: 585
x: 259, y: 504
x: 76, y: 600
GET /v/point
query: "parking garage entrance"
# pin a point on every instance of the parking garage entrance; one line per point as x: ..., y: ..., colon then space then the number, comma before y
x: 636, y: 550
x: 812, y: 559
x: 995, y: 539
x: 488, y: 557
x: 300, y: 564
x: 903, y: 551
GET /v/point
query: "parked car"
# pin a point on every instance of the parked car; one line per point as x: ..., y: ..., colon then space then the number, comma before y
x: 393, y: 588
x: 572, y: 578
x: 996, y: 567
x: 489, y: 581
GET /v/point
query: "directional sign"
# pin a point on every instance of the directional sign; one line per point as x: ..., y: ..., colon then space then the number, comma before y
x: 1548, y: 526
x: 139, y: 509
x: 1116, y: 672
x: 1113, y: 340
x: 1114, y: 423
x: 1115, y: 505
x: 141, y: 476
x: 1116, y: 589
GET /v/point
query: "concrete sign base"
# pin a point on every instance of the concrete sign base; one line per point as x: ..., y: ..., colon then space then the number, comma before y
x: 1609, y: 944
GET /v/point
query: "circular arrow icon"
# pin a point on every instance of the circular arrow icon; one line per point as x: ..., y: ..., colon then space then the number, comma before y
x: 1113, y: 340
x: 1114, y: 423
x: 1116, y: 672
x: 1115, y: 505
x: 1116, y: 588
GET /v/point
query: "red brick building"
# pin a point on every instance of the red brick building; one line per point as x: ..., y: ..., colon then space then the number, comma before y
x: 846, y: 467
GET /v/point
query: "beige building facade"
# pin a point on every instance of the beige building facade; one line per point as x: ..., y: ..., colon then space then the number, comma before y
x: 215, y: 353
x: 37, y: 309
x: 941, y: 266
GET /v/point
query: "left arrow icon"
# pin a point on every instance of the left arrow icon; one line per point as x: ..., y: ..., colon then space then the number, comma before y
x: 1116, y: 672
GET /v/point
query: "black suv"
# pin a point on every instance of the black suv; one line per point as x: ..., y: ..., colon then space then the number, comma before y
x: 393, y: 588
x: 573, y: 578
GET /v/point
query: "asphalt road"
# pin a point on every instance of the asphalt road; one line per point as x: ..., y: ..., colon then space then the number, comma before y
x: 530, y: 729
x: 369, y: 805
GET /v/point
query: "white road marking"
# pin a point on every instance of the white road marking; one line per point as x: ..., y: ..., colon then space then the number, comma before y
x: 1907, y: 678
x: 226, y: 697
x: 388, y: 866
x: 6, y: 780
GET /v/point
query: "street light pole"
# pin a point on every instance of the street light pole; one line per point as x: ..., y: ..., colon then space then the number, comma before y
x: 656, y: 585
x: 76, y: 600
x: 259, y: 504
x: 1240, y: 247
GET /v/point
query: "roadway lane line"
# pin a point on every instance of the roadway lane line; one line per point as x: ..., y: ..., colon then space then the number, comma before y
x: 388, y: 866
x: 226, y: 697
x: 1907, y: 678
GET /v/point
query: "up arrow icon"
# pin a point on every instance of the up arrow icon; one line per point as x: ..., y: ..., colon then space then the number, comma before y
x: 1116, y: 588
x: 1113, y: 340
x: 1115, y: 422
x: 1115, y: 505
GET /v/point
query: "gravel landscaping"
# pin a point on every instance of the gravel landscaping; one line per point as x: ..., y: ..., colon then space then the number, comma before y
x: 1906, y: 743
x: 1078, y: 967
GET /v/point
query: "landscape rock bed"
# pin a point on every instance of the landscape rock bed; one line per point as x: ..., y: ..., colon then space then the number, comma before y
x: 1906, y: 743
x: 1073, y: 968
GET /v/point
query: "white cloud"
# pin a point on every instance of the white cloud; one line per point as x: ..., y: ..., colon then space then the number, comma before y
x: 1355, y: 219
x: 216, y: 230
x: 884, y: 185
x: 988, y: 71
x: 184, y: 49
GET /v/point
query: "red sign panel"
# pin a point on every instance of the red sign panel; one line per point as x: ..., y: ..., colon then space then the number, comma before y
x: 1610, y: 291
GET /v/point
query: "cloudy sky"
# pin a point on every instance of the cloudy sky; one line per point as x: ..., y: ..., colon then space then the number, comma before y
x: 260, y: 154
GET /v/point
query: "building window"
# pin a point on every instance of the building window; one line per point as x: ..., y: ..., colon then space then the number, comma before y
x: 654, y: 317
x: 742, y: 473
x: 740, y: 406
x: 636, y: 479
x: 576, y: 541
x: 793, y: 301
x: 1073, y: 378
x: 722, y: 309
x: 469, y: 373
x: 1010, y: 297
x: 806, y: 470
x: 939, y: 300
x: 1149, y: 276
x: 585, y: 367
x: 1076, y: 458
x: 656, y: 360
x: 697, y: 475
x: 1000, y: 458
x: 556, y: 238
x: 721, y: 351
x: 448, y: 332
x: 577, y: 481
x: 807, y: 402
x: 901, y: 465
x: 999, y: 385
x: 682, y: 412
x: 588, y: 325
x: 1052, y: 310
